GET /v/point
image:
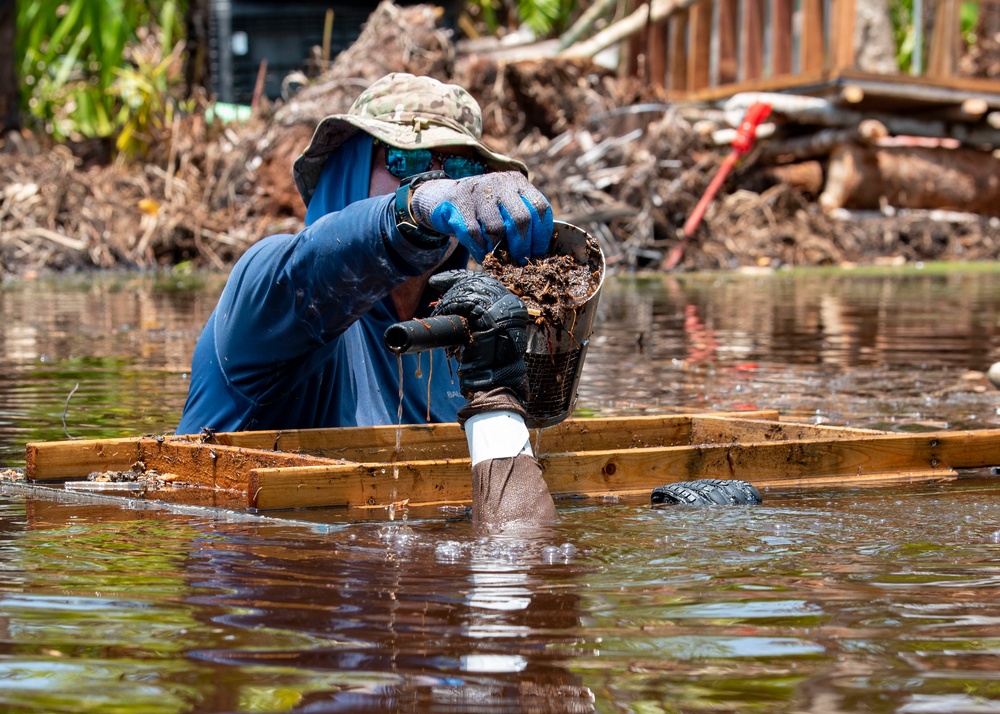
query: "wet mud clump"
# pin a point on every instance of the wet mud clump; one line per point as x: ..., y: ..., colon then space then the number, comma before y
x: 552, y: 287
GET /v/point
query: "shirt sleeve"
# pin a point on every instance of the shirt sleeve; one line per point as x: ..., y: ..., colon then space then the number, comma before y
x: 290, y: 295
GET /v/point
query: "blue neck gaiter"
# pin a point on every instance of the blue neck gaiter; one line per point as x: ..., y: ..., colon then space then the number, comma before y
x: 344, y: 178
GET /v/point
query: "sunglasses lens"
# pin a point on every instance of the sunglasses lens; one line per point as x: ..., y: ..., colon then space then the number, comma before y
x: 461, y: 166
x: 403, y: 163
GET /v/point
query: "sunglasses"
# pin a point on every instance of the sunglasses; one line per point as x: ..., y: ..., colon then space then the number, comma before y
x: 403, y: 163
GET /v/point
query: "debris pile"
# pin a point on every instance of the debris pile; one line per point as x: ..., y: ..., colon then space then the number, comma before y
x: 610, y: 153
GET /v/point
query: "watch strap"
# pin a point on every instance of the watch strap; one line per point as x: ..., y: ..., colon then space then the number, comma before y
x: 406, y: 224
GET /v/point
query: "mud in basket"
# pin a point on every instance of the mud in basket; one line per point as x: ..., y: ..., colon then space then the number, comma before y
x: 556, y: 353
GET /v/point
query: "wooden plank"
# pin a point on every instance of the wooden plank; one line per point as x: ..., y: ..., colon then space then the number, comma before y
x: 69, y: 459
x: 898, y: 86
x: 728, y: 31
x: 657, y: 53
x: 752, y: 40
x: 700, y: 45
x: 781, y: 37
x: 359, y: 485
x: 948, y: 90
x: 811, y: 41
x: 428, y: 441
x: 442, y: 441
x: 965, y: 449
x: 191, y: 458
x: 945, y: 40
x: 631, y: 432
x: 843, y: 52
x: 677, y: 71
x: 205, y: 465
x: 635, y: 52
x: 723, y: 430
x: 847, y: 461
x: 806, y: 83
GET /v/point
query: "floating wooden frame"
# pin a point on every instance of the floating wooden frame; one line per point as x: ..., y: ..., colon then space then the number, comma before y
x: 361, y: 468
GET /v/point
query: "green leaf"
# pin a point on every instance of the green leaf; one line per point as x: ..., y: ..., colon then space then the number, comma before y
x: 67, y: 26
x: 71, y: 60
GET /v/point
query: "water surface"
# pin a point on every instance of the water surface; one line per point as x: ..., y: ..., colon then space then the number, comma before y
x: 860, y: 600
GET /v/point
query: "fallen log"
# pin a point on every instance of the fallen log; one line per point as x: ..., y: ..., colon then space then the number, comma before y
x: 968, y: 130
x: 863, y: 177
x: 804, y: 176
x: 820, y: 143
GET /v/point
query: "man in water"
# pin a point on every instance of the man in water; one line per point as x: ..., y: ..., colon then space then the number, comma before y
x: 400, y: 193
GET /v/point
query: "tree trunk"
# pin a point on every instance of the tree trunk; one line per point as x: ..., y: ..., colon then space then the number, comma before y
x: 865, y: 177
x: 874, y: 42
x: 9, y: 94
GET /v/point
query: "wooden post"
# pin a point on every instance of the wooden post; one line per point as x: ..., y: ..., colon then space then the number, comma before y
x: 656, y: 53
x: 811, y: 44
x: 945, y: 40
x: 753, y: 40
x: 781, y: 37
x: 677, y: 71
x: 700, y: 46
x: 327, y: 35
x: 635, y: 65
x: 728, y: 41
x: 843, y: 53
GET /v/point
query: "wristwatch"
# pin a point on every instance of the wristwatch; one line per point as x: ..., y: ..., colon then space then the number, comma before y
x: 406, y: 224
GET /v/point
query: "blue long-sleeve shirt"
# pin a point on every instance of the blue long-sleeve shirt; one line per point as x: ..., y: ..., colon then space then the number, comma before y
x: 296, y: 338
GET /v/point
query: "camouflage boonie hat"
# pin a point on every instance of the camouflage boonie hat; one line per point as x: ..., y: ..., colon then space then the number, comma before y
x: 407, y: 112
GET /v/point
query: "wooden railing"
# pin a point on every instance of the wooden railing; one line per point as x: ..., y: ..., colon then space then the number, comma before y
x: 711, y: 48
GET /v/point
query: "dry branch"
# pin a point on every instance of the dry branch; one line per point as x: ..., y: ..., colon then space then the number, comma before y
x: 654, y: 11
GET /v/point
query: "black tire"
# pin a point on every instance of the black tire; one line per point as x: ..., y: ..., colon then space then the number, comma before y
x: 742, y: 493
x: 677, y: 494
x: 706, y: 492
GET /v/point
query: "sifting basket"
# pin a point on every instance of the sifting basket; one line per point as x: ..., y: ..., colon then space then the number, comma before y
x: 555, y: 353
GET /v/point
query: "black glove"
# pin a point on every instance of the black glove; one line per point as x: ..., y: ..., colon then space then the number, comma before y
x: 498, y: 322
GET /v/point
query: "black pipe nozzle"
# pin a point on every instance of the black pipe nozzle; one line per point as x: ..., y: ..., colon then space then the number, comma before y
x: 426, y: 334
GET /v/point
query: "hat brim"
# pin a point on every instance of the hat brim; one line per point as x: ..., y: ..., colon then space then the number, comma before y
x: 333, y: 131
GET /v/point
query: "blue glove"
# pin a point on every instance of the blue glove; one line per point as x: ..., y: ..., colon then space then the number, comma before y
x: 482, y: 211
x: 498, y: 322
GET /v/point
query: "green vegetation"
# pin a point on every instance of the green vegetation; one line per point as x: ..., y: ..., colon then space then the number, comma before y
x: 111, y: 68
x: 544, y: 17
x: 100, y: 68
x: 901, y: 12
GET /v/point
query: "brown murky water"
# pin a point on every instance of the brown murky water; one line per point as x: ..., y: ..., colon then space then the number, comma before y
x: 882, y: 600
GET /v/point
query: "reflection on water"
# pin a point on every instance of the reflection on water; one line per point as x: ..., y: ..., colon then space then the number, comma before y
x: 108, y: 355
x: 883, y: 350
x: 843, y: 601
x: 846, y: 600
x: 875, y: 350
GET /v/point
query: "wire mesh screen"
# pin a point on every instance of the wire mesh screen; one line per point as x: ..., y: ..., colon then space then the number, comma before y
x: 552, y: 382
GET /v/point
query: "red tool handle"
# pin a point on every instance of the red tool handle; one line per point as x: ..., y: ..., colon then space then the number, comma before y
x: 747, y: 131
x: 745, y: 136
